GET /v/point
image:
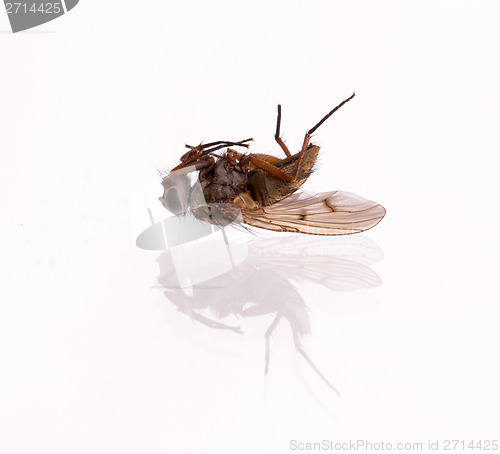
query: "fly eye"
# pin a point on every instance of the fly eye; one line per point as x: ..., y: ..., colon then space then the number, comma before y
x: 173, y: 201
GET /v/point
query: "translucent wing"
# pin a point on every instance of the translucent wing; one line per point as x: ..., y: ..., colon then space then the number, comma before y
x: 326, y: 213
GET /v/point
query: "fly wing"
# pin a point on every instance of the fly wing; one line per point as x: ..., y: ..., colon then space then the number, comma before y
x: 326, y: 213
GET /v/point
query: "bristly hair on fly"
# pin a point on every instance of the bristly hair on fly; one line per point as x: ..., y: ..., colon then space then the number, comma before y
x: 261, y: 189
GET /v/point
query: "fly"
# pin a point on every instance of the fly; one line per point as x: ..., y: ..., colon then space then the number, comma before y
x: 260, y: 189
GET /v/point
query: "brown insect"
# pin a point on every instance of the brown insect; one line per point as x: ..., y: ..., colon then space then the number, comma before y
x: 259, y: 189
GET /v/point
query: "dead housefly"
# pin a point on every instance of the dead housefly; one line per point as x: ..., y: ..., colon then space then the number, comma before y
x: 260, y: 189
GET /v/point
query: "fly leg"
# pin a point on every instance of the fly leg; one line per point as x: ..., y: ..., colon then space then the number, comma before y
x: 195, y: 153
x: 299, y: 349
x: 278, y: 173
x: 269, y: 331
x: 313, y: 366
x: 311, y: 131
x: 203, y: 163
x: 277, y: 134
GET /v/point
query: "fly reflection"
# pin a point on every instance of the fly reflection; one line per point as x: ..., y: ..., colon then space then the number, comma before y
x: 266, y: 283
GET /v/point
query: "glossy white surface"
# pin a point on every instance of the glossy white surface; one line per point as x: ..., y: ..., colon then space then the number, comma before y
x: 95, y: 358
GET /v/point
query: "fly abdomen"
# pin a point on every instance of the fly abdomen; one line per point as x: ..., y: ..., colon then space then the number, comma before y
x: 268, y: 189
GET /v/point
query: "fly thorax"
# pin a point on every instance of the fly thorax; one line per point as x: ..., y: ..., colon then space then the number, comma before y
x: 223, y: 183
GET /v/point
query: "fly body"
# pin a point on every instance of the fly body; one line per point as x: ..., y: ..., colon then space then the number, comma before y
x: 260, y: 189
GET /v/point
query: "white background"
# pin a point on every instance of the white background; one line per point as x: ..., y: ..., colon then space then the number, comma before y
x: 94, y: 359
